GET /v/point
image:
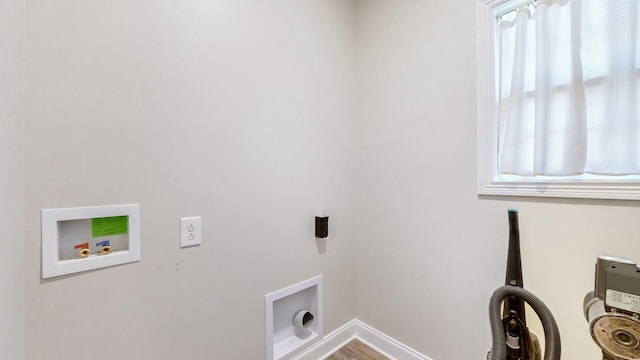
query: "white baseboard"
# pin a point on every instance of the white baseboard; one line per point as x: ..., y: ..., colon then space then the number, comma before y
x: 329, y: 344
x: 356, y: 329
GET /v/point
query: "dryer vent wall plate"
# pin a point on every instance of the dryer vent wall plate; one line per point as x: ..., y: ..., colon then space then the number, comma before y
x: 88, y: 238
x: 294, y: 320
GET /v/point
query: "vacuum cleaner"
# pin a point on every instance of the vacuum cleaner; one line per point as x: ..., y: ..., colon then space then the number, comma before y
x: 511, y: 337
x: 613, y: 308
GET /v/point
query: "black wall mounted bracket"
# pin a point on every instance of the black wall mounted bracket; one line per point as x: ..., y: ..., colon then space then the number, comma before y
x: 322, y: 226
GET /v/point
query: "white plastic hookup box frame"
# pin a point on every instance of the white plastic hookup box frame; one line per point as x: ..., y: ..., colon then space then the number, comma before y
x: 53, y: 266
x: 280, y: 308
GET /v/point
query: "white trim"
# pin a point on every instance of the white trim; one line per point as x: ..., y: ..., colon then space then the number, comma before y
x: 486, y: 99
x: 386, y: 345
x: 330, y: 344
x: 488, y: 184
x: 569, y: 190
x: 356, y: 329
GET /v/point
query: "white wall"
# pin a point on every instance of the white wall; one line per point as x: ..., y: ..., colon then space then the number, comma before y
x: 430, y: 251
x: 237, y: 111
x: 243, y: 112
x: 11, y: 179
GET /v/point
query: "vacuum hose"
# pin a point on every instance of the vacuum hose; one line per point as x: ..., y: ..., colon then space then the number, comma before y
x: 551, y: 333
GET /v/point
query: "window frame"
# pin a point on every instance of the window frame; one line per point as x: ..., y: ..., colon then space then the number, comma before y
x: 489, y: 181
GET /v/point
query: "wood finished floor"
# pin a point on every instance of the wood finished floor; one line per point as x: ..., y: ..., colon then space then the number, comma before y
x: 356, y: 350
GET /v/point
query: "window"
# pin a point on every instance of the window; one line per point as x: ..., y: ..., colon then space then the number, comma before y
x: 559, y: 98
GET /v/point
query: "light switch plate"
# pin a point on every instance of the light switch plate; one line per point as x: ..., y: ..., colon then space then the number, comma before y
x: 190, y: 231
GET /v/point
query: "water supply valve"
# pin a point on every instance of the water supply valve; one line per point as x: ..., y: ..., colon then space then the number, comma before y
x: 106, y: 247
x: 84, y: 249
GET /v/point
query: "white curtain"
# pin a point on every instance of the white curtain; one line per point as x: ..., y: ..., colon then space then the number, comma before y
x: 568, y: 89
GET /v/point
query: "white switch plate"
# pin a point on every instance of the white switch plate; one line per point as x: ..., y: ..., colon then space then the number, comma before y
x: 190, y: 231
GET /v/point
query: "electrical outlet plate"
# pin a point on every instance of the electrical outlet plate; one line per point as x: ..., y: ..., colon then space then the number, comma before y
x: 190, y: 231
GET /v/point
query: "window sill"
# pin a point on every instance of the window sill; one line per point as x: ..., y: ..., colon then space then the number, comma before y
x: 569, y: 189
